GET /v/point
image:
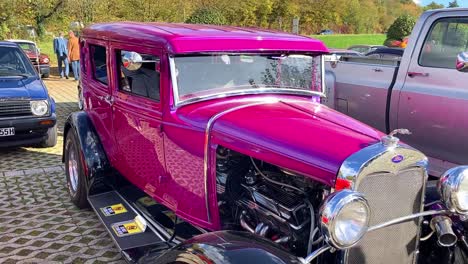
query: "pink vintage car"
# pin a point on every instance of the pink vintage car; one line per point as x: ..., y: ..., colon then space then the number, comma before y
x: 207, y: 144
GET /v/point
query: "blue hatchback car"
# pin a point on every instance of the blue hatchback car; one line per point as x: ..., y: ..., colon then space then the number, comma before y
x: 27, y: 112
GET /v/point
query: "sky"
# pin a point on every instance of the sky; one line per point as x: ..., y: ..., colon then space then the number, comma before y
x: 461, y: 3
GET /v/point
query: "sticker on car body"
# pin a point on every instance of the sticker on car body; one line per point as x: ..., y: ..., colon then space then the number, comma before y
x: 126, y: 228
x: 113, y: 209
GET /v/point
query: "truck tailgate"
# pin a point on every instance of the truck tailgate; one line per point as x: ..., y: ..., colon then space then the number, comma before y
x: 360, y: 87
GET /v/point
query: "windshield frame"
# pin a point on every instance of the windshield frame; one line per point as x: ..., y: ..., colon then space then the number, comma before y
x: 177, y: 102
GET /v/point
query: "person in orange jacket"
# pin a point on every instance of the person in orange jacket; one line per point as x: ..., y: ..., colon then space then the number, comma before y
x: 74, y: 54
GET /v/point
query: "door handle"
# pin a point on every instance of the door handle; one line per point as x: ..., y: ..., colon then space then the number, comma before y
x: 421, y: 74
x: 109, y: 99
x: 378, y: 70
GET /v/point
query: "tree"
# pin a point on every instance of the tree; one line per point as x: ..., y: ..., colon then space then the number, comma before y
x: 453, y: 4
x: 401, y: 28
x: 433, y: 5
x: 42, y: 10
x: 207, y: 16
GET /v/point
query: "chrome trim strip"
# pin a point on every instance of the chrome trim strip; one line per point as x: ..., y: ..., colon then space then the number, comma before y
x: 316, y: 253
x: 206, y: 159
x: 358, y: 163
x: 253, y: 91
x: 175, y: 87
x: 323, y: 94
x: 406, y: 218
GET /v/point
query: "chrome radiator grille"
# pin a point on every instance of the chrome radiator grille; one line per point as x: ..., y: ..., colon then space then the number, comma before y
x: 14, y: 108
x: 390, y: 196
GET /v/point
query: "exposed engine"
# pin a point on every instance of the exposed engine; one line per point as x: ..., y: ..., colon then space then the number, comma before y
x: 269, y: 201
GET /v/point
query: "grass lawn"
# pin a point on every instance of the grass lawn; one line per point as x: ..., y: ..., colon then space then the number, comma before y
x: 344, y: 41
x: 47, y: 46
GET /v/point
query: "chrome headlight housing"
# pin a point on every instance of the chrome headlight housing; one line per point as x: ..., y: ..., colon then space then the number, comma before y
x: 40, y: 107
x: 344, y: 218
x: 453, y: 188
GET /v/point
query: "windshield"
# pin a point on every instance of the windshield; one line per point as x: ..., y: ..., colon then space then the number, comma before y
x: 205, y: 75
x: 28, y: 47
x: 13, y: 62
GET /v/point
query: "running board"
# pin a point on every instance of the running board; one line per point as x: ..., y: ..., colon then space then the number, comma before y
x: 130, y: 234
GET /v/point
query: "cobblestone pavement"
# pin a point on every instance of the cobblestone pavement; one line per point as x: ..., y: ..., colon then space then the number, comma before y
x: 38, y: 223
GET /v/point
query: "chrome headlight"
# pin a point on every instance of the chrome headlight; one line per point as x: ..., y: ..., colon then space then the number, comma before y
x: 344, y: 218
x: 39, y: 108
x: 453, y: 188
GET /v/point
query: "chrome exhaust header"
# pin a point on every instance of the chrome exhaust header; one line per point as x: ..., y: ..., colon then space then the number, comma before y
x: 442, y: 225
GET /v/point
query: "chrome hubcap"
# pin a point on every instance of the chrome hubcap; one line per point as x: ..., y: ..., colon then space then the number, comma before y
x: 73, y: 170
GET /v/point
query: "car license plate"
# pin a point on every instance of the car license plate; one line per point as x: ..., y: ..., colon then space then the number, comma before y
x: 7, y: 131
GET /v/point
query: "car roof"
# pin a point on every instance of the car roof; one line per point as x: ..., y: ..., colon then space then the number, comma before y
x: 8, y: 44
x: 21, y: 41
x: 189, y: 38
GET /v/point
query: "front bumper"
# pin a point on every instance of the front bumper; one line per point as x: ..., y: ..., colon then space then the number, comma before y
x: 45, y: 69
x: 28, y: 131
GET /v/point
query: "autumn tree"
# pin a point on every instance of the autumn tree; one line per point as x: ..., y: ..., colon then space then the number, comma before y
x: 433, y: 5
x: 41, y: 10
x: 453, y: 4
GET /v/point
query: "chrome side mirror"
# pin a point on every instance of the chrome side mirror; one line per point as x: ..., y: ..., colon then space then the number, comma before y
x: 462, y: 62
x: 333, y: 59
x: 132, y: 60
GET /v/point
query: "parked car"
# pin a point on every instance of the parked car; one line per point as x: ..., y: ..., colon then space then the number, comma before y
x: 40, y: 60
x: 27, y: 112
x: 206, y: 144
x: 423, y: 92
x: 326, y: 32
x: 344, y: 52
x: 363, y: 49
x: 386, y: 53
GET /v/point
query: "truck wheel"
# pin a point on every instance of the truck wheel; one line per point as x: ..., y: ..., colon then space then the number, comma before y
x: 45, y: 75
x: 76, y: 179
x: 51, y: 139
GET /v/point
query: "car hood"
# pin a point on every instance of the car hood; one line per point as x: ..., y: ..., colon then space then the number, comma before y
x: 13, y: 88
x: 290, y: 132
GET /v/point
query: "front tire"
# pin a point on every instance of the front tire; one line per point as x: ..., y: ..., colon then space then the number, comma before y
x: 76, y: 179
x: 51, y: 139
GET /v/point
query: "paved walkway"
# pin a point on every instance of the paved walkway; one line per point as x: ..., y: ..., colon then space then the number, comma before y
x: 39, y: 224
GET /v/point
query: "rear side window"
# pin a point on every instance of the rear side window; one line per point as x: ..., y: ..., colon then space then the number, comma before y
x: 446, y: 39
x: 83, y: 56
x: 99, y: 63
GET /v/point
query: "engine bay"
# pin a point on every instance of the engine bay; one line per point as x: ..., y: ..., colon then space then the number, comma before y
x: 269, y: 201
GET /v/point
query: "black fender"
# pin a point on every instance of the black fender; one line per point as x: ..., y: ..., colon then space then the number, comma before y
x: 93, y: 156
x: 227, y: 247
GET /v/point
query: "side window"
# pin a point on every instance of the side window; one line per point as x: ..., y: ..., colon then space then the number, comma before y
x: 144, y: 81
x: 446, y: 39
x: 83, y: 55
x: 99, y: 63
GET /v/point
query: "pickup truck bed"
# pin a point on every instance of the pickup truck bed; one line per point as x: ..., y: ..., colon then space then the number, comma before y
x: 423, y: 92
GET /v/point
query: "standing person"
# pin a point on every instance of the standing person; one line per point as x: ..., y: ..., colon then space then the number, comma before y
x: 74, y: 54
x: 60, y: 49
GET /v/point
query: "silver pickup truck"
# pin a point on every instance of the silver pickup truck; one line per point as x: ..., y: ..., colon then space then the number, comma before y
x: 426, y: 91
